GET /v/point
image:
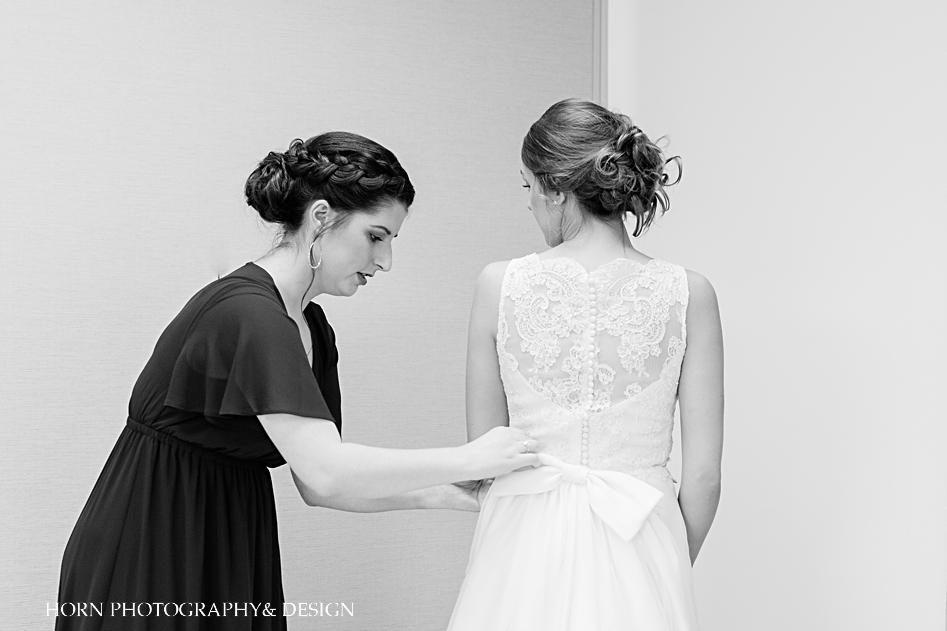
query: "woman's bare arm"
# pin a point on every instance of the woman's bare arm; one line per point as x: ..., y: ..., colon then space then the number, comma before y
x: 359, y: 478
x: 446, y: 496
x: 701, y: 401
x: 330, y: 468
x: 486, y: 400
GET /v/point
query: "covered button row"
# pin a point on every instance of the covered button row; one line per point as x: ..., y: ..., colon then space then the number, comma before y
x: 590, y: 366
x: 585, y: 442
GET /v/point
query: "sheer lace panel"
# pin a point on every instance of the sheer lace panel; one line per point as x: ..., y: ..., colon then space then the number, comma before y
x: 584, y: 344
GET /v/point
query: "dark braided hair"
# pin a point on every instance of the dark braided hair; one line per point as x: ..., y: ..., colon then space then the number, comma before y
x: 602, y: 158
x: 350, y: 172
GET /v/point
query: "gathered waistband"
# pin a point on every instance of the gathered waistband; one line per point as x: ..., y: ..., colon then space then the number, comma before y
x: 621, y: 501
x: 196, y: 449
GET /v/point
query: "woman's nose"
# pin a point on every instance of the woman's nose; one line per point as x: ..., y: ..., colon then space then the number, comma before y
x: 383, y: 261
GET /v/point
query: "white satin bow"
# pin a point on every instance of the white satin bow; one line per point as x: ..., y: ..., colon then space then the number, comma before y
x: 621, y: 501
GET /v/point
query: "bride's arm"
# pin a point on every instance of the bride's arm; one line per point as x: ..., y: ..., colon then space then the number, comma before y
x: 486, y: 401
x: 701, y: 400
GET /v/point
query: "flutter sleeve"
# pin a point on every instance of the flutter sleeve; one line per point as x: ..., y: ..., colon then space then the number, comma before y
x: 242, y: 356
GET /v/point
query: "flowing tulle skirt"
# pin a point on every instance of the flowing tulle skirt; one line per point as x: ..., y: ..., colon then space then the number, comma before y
x: 548, y: 561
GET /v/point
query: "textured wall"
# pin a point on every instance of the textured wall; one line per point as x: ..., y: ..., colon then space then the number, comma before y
x: 126, y: 134
x: 812, y: 136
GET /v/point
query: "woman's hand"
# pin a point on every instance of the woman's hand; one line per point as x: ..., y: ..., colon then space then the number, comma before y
x: 482, y: 491
x: 500, y: 451
x: 330, y: 469
x: 467, y: 495
x: 475, y: 492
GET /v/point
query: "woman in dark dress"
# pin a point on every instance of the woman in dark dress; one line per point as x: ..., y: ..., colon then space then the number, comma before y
x: 180, y: 530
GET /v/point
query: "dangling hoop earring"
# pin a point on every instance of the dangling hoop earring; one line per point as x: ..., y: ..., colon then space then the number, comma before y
x: 316, y: 265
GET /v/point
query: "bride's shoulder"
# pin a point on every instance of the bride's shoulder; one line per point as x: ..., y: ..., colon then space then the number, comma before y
x: 697, y: 283
x: 483, y: 315
x: 701, y: 296
x: 492, y: 276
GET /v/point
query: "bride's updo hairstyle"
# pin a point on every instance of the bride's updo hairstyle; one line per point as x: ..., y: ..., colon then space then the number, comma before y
x: 602, y: 158
x: 350, y: 172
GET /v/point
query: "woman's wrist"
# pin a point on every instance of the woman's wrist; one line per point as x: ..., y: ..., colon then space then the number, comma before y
x: 449, y: 497
x: 466, y: 463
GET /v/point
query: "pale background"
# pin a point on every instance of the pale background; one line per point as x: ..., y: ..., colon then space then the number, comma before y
x: 126, y: 134
x: 813, y: 136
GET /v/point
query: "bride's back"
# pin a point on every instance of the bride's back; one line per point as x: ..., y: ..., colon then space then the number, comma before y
x: 584, y: 347
x: 590, y: 359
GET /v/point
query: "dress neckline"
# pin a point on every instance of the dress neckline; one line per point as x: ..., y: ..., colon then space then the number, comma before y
x: 603, y: 266
x: 261, y: 274
x: 308, y: 311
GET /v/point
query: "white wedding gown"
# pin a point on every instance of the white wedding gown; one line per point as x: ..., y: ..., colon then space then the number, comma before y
x: 592, y: 540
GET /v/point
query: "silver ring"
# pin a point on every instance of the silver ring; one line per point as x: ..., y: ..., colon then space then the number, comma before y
x: 526, y: 444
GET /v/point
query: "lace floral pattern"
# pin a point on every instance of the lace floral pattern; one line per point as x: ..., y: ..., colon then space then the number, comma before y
x: 591, y: 360
x: 543, y: 318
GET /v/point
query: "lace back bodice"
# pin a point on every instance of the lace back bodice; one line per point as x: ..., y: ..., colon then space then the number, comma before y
x: 590, y: 360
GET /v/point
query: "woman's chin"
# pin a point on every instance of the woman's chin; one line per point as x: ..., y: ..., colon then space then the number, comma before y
x: 345, y: 288
x: 343, y: 291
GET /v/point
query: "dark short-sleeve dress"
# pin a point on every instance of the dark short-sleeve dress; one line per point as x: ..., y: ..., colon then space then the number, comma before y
x: 180, y: 530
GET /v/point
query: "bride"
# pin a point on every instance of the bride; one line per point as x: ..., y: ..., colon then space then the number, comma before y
x: 587, y: 347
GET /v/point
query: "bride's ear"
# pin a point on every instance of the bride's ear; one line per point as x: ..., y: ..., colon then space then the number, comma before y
x: 554, y: 197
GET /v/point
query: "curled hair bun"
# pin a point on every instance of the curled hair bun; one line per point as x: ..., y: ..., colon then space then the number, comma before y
x: 631, y: 175
x: 601, y: 157
x: 633, y: 142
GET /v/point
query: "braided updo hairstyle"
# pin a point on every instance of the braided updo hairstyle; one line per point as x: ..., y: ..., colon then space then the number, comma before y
x: 350, y: 172
x: 602, y: 158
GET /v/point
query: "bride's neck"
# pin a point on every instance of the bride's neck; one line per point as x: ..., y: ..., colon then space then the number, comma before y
x: 594, y: 239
